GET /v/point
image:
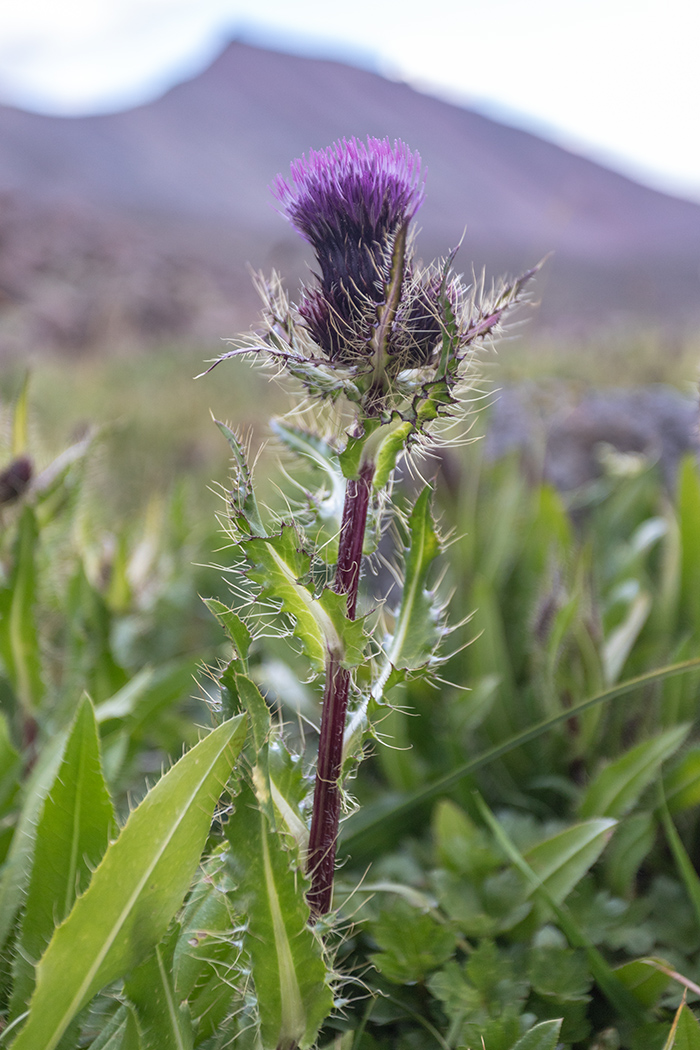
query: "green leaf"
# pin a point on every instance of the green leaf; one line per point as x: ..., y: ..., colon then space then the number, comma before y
x: 561, y: 861
x: 234, y: 627
x: 682, y: 782
x: 243, y: 498
x: 351, y: 457
x: 120, y: 1033
x: 281, y: 568
x: 18, y: 865
x: 633, y: 842
x: 20, y: 419
x: 373, y: 817
x: 164, y: 1022
x: 19, y: 640
x: 685, y: 867
x: 543, y: 1036
x: 412, y: 943
x: 207, y: 955
x: 286, y: 956
x: 613, y: 989
x: 644, y: 979
x: 88, y: 662
x: 618, y: 786
x: 238, y: 694
x: 687, y: 1030
x: 688, y: 509
x: 327, y: 499
x: 10, y: 766
x: 135, y: 891
x: 388, y: 452
x: 417, y: 631
x: 72, y: 836
x: 620, y: 642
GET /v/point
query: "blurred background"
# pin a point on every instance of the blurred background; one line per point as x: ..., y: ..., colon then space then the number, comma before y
x: 138, y: 140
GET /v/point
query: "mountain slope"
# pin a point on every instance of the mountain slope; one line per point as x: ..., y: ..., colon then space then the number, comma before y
x: 192, y: 170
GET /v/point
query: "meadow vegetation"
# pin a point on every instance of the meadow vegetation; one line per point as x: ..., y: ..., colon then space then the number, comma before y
x: 518, y: 871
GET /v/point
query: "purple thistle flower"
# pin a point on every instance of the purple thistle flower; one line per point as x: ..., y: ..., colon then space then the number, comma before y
x: 351, y: 202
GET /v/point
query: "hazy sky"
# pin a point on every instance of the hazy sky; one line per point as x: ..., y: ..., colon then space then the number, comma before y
x: 617, y: 79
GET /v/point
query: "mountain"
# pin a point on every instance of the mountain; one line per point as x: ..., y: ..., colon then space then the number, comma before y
x: 143, y: 223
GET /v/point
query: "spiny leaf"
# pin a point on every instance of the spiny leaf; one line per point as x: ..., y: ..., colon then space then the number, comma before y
x: 280, y: 566
x: 388, y: 452
x: 135, y: 891
x: 72, y: 836
x: 286, y: 956
x: 243, y: 498
x: 18, y: 864
x: 417, y: 629
x: 234, y: 627
x: 351, y: 457
x: 164, y: 1021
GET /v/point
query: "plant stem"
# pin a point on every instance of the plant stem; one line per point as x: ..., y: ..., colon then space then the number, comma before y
x: 327, y: 795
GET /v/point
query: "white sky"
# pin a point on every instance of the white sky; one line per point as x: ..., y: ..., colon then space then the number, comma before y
x: 616, y: 79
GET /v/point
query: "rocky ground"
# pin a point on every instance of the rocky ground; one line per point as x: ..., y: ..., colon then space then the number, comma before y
x: 569, y: 438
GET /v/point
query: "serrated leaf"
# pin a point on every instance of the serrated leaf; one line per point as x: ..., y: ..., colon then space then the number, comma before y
x: 238, y: 694
x: 542, y: 1036
x: 350, y: 458
x: 233, y: 625
x: 72, y: 836
x: 207, y: 953
x: 561, y: 861
x: 618, y: 786
x: 286, y: 956
x: 19, y: 640
x: 243, y: 498
x: 163, y: 1020
x: 135, y: 891
x: 388, y: 452
x: 323, y: 455
x: 18, y: 865
x: 411, y: 943
x: 417, y: 629
x: 281, y: 568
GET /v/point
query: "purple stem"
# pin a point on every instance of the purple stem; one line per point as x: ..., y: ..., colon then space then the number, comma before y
x: 326, y: 810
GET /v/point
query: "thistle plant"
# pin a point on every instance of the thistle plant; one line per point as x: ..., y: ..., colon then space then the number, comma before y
x: 384, y: 354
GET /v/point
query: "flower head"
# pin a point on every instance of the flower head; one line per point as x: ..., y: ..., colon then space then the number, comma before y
x: 395, y: 339
x: 353, y: 203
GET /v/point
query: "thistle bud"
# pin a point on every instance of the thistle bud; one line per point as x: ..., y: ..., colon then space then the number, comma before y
x: 353, y: 203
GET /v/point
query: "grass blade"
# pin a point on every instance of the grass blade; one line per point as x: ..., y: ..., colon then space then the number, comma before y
x: 370, y: 818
